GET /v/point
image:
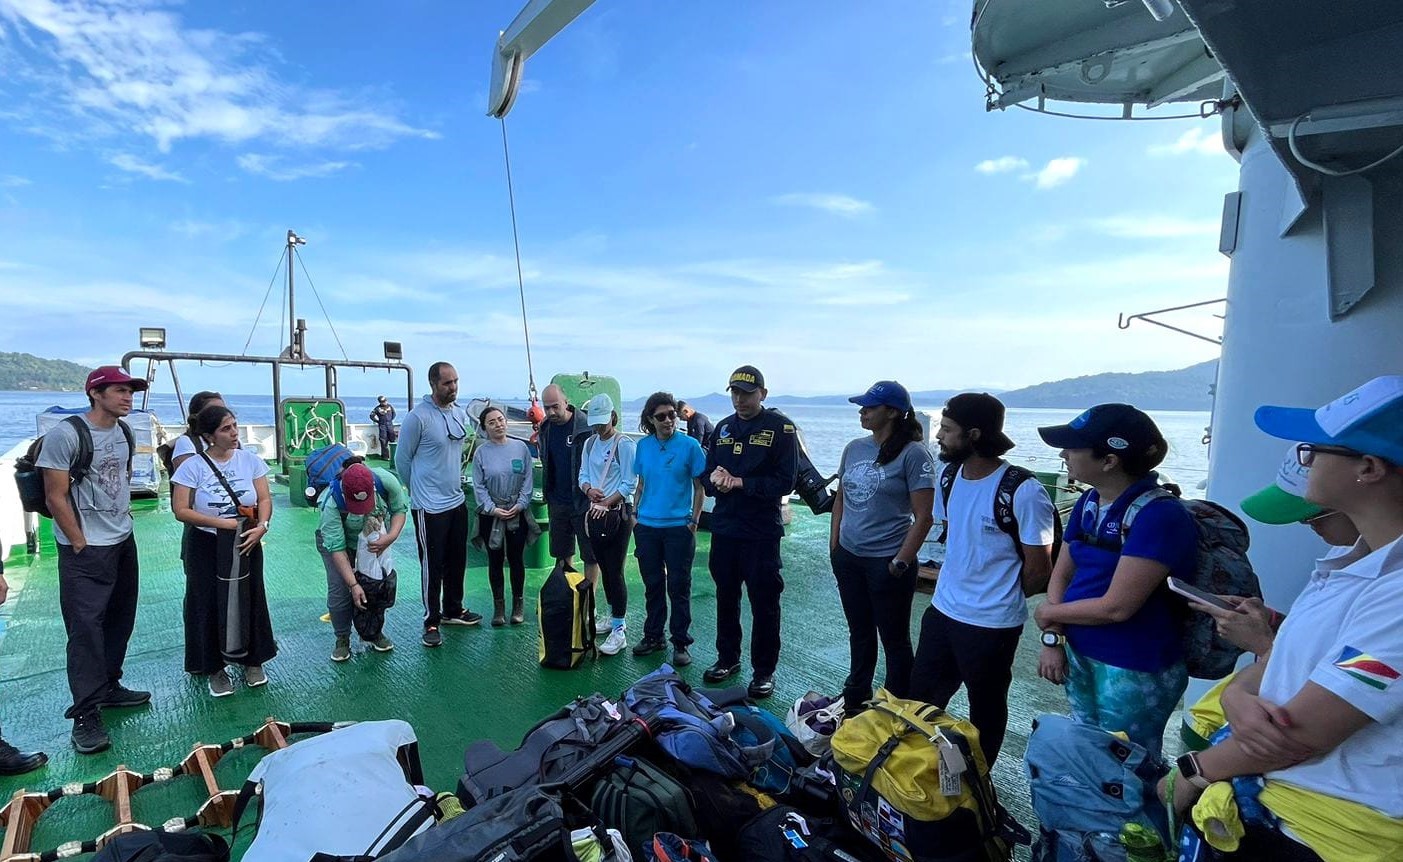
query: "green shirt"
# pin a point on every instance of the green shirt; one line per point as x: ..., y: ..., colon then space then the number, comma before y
x: 338, y: 530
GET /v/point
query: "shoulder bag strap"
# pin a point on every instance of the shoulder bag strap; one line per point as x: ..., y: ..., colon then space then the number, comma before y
x: 233, y: 498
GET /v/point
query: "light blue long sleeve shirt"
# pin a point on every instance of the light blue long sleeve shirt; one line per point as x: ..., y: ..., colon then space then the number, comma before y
x: 619, y: 475
x: 429, y: 459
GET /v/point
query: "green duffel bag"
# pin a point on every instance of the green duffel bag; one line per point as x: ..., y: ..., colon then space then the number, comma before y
x: 640, y: 800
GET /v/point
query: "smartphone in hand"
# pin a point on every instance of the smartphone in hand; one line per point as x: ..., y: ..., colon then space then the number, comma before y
x: 1189, y: 591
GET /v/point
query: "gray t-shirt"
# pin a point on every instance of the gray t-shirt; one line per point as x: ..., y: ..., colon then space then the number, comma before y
x: 503, y: 475
x: 877, y: 499
x: 103, y: 500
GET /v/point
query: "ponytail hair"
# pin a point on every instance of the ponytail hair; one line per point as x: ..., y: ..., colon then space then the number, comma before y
x: 905, y: 429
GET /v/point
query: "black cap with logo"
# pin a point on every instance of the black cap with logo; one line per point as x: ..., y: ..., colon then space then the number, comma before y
x: 747, y: 378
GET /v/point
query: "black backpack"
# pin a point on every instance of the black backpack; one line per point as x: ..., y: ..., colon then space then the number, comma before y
x: 640, y: 800
x: 1003, y: 506
x: 30, y: 477
x: 526, y: 824
x: 158, y: 846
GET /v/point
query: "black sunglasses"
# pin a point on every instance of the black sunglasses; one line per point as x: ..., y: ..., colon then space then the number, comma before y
x: 1306, y: 452
x: 448, y: 429
x: 669, y: 416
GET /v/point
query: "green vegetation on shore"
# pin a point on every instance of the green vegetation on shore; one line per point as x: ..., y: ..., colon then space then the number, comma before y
x: 24, y: 371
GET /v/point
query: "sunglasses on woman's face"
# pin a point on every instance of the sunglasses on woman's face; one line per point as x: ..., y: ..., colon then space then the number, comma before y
x: 665, y: 416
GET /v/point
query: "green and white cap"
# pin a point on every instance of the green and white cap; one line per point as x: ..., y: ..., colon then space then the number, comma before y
x: 1283, y: 501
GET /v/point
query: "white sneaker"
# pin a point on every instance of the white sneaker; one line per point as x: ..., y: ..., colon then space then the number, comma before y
x: 603, y: 626
x: 616, y: 641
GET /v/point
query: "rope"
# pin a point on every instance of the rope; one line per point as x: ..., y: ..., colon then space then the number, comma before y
x: 319, y: 303
x: 266, y: 294
x: 520, y: 281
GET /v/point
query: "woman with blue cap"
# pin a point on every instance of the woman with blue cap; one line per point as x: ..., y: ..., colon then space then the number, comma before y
x: 881, y: 515
x: 1321, y: 720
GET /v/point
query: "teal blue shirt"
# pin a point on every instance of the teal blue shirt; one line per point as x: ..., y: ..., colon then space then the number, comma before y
x: 667, y: 471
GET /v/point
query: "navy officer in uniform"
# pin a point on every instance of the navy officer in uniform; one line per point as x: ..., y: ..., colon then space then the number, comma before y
x: 750, y: 468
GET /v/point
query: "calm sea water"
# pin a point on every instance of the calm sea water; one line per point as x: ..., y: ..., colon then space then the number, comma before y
x: 826, y: 429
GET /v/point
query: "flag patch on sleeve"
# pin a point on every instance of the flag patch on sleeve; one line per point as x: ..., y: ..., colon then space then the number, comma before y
x: 1366, y: 668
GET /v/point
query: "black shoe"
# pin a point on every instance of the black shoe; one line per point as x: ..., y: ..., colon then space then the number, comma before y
x: 120, y: 696
x: 720, y: 672
x: 16, y: 762
x: 761, y: 687
x: 464, y: 617
x: 89, y: 736
x: 680, y: 657
x: 432, y: 638
x: 647, y: 647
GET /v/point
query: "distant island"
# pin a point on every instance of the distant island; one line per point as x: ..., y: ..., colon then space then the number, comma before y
x: 1185, y: 389
x: 21, y: 372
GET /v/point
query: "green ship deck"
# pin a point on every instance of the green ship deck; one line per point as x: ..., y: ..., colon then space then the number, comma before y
x: 482, y: 683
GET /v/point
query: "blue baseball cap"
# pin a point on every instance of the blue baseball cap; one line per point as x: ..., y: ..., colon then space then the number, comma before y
x: 1112, y: 427
x: 885, y: 393
x: 1368, y: 420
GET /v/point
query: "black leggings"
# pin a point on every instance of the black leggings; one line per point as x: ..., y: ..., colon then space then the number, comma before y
x: 512, y: 552
x: 611, y: 554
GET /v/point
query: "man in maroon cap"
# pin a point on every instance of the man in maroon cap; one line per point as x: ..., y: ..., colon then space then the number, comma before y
x: 97, y: 560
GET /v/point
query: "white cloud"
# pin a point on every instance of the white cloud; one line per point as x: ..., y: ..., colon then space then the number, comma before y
x: 272, y: 167
x: 11, y: 181
x: 1149, y: 226
x: 1002, y: 165
x: 132, y: 68
x: 133, y: 165
x: 1056, y: 172
x: 1197, y: 140
x: 843, y: 205
x: 223, y: 231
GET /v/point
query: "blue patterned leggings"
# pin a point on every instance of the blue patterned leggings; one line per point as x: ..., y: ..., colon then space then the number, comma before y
x: 1116, y: 698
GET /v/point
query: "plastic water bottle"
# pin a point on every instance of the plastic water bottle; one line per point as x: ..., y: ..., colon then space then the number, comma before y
x: 1142, y: 844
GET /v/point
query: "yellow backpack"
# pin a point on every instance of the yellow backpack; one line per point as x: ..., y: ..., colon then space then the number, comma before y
x: 565, y: 613
x: 913, y: 780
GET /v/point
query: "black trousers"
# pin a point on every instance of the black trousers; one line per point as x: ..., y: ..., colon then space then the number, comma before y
x: 754, y: 565
x: 1261, y: 842
x: 511, y: 554
x: 97, y: 593
x: 951, y: 653
x: 878, y: 606
x: 611, y: 553
x: 442, y: 539
x: 665, y: 557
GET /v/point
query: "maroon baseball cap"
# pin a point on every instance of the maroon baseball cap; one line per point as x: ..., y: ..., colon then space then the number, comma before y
x: 358, y: 488
x: 108, y: 375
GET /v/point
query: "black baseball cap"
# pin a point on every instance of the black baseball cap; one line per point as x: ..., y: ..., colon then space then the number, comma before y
x: 1113, y: 427
x: 747, y: 378
x: 980, y: 410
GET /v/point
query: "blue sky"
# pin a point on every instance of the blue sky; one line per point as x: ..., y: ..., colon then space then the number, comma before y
x: 814, y: 188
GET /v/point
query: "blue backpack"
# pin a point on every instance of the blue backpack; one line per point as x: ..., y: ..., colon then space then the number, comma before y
x: 1087, y: 784
x: 755, y: 728
x: 325, y: 464
x: 691, y: 729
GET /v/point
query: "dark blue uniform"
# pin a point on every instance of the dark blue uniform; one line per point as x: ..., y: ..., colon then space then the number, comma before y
x: 746, y: 529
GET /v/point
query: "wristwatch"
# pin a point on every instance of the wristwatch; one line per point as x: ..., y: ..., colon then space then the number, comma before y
x: 266, y: 525
x: 1053, y: 639
x: 899, y: 567
x: 1188, y: 768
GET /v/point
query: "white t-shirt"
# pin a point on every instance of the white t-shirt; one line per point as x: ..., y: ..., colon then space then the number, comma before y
x: 979, y: 582
x: 183, y: 446
x: 210, y: 497
x: 1344, y: 634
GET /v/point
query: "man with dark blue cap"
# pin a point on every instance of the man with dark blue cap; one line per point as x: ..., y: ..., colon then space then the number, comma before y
x: 750, y: 469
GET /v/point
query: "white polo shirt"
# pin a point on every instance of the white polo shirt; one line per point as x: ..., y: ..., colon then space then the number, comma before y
x: 1345, y: 633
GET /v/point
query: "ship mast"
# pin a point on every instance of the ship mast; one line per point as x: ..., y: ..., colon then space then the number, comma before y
x: 296, y: 329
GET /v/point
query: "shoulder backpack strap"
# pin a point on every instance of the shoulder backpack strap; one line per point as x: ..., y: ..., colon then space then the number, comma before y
x: 83, y: 461
x: 947, y: 484
x: 1140, y: 502
x: 1004, y: 515
x: 131, y: 445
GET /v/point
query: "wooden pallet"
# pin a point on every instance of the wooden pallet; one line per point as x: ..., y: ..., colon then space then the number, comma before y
x: 25, y: 808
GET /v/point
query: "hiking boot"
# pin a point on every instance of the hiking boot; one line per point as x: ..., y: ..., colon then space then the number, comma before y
x: 464, y: 617
x: 681, y: 657
x: 648, y: 647
x: 431, y: 637
x: 220, y: 685
x: 16, y: 762
x: 499, y: 613
x: 603, y: 627
x: 761, y: 687
x: 518, y: 611
x: 616, y: 641
x: 120, y: 696
x: 89, y: 736
x: 720, y: 672
x: 342, y: 650
x: 382, y: 644
x: 254, y: 676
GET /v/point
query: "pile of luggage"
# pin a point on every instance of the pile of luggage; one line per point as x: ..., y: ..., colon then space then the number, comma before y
x: 663, y: 772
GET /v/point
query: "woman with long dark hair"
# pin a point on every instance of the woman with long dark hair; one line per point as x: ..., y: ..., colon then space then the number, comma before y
x: 881, y: 516
x: 189, y: 442
x: 1112, y: 633
x: 223, y: 493
x: 669, y: 501
x: 503, y: 478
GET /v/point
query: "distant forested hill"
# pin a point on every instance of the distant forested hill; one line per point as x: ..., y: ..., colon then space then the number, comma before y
x: 1185, y: 389
x: 23, y: 371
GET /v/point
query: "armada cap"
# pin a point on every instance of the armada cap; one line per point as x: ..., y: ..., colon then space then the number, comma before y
x: 1368, y: 420
x: 747, y: 378
x: 110, y: 375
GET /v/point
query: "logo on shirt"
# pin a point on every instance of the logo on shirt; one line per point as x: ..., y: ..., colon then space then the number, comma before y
x: 1366, y: 668
x: 860, y: 483
x: 764, y: 438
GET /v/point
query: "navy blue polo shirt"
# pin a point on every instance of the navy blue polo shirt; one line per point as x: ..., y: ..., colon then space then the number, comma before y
x: 1163, y: 531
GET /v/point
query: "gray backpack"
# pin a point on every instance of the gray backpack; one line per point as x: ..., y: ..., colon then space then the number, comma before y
x: 525, y: 824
